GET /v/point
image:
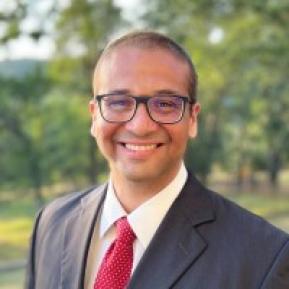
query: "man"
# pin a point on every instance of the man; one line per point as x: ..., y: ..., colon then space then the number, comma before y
x: 153, y: 226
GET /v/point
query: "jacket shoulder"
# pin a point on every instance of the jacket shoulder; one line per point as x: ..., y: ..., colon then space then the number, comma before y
x: 238, y: 225
x: 228, y: 212
x: 62, y: 207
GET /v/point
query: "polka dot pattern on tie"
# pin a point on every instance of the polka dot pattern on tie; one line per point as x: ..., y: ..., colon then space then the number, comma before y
x: 115, y: 269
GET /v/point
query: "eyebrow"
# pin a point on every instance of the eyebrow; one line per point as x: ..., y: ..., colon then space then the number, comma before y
x: 161, y: 91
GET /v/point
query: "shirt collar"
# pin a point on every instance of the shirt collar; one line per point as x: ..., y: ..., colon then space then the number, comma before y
x: 112, y: 210
x: 157, y: 207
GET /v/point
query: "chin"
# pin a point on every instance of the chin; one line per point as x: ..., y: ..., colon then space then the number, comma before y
x: 144, y: 175
x: 138, y: 175
x: 149, y: 173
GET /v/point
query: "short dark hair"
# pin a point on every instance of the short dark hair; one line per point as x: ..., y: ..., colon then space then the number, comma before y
x: 151, y: 40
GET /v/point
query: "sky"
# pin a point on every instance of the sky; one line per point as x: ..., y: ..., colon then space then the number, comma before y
x: 25, y: 47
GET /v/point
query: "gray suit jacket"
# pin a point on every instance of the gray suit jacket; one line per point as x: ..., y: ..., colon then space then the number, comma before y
x: 204, y: 242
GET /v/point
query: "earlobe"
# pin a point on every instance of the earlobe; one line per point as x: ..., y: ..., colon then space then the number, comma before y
x: 193, y: 131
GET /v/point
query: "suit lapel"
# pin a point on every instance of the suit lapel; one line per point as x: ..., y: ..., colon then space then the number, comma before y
x: 77, y: 235
x: 177, y: 244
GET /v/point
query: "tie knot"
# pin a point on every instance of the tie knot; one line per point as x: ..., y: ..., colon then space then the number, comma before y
x: 124, y: 231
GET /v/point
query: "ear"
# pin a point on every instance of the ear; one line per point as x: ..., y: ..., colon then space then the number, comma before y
x: 193, y: 126
x: 92, y: 109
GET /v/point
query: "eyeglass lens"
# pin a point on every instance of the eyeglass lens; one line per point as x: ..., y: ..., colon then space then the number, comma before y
x: 121, y: 108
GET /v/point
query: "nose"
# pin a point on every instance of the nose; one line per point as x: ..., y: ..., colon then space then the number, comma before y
x: 141, y: 124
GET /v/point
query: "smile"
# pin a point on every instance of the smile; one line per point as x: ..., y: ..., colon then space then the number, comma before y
x: 142, y: 147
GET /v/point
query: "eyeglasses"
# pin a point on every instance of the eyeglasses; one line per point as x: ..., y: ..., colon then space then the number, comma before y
x: 163, y: 108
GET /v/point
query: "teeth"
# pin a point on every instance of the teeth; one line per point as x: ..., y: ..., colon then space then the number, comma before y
x: 140, y: 147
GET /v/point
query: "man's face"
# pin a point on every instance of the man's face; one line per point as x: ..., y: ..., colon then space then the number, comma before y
x: 142, y: 150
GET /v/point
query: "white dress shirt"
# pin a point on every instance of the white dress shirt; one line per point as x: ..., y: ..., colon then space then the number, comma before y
x: 144, y: 221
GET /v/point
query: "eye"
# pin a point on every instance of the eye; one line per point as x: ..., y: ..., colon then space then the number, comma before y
x: 166, y: 104
x: 119, y: 103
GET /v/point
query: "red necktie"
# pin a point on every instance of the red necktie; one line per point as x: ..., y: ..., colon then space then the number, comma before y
x: 115, y: 269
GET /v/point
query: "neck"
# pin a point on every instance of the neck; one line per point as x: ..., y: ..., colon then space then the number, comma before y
x: 132, y: 193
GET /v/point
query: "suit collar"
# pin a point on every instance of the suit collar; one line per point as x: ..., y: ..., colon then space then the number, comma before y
x: 177, y: 244
x: 197, y: 202
x: 77, y: 236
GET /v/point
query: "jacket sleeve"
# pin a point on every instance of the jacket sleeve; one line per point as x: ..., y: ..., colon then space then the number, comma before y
x: 278, y: 274
x: 30, y: 267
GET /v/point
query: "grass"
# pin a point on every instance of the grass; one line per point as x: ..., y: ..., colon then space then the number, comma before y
x: 281, y: 222
x: 265, y: 206
x: 22, y: 207
x: 14, y: 236
x: 16, y: 220
x: 12, y: 280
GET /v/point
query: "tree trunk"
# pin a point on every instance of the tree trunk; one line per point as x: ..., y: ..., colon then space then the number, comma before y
x: 274, y: 166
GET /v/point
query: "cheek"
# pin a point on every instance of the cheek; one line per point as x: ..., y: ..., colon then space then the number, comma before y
x: 179, y: 138
x: 181, y: 141
x: 104, y: 133
x: 179, y: 133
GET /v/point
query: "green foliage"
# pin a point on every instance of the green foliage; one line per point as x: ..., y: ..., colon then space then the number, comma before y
x: 243, y: 87
x: 83, y: 28
x: 240, y: 49
x: 10, y: 20
x: 20, y: 141
x: 44, y: 118
x: 45, y: 136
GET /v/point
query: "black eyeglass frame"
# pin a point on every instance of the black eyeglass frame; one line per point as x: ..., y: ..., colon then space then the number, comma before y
x: 144, y: 99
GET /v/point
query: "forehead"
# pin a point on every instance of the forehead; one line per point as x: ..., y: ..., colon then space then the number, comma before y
x: 141, y: 65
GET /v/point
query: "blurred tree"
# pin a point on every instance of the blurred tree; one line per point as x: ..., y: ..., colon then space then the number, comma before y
x: 21, y: 132
x: 66, y: 139
x: 10, y: 19
x: 240, y: 48
x: 44, y: 120
x: 15, y: 13
x: 82, y: 29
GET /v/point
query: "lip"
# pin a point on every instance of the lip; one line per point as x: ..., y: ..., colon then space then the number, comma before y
x: 138, y: 150
x: 138, y: 147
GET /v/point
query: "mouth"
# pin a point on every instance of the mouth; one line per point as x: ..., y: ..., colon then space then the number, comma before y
x: 141, y: 147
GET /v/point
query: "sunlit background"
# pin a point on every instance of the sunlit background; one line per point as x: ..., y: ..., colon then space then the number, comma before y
x: 47, y: 52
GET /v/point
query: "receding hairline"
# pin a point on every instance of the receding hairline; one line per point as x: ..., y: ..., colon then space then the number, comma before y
x: 147, y: 40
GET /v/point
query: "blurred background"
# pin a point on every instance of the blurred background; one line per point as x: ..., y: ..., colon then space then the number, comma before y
x: 47, y: 52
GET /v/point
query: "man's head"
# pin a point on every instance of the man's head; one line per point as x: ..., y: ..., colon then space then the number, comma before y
x: 153, y: 40
x: 144, y: 142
